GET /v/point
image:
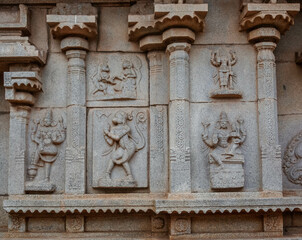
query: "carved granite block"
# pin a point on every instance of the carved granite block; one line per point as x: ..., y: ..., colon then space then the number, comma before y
x: 46, y: 156
x: 273, y: 223
x: 75, y: 223
x: 205, y: 77
x: 120, y: 146
x: 159, y: 149
x: 118, y: 223
x: 117, y: 80
x: 159, y: 223
x: 16, y: 223
x: 180, y: 225
x: 45, y: 224
x: 201, y: 153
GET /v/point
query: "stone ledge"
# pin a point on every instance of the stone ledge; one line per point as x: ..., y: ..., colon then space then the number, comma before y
x: 157, y: 203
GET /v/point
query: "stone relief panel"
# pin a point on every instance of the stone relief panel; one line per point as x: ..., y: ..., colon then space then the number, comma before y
x: 222, y: 72
x: 225, y: 77
x: 289, y: 127
x: 224, y: 147
x: 292, y: 160
x: 46, y: 154
x: 117, y: 80
x: 225, y: 157
x: 120, y: 147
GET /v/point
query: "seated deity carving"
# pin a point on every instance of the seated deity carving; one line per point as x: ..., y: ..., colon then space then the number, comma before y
x: 122, y: 86
x: 47, y: 134
x: 123, y: 147
x: 225, y: 156
x: 225, y: 76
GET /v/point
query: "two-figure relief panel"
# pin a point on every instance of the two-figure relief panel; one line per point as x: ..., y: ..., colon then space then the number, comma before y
x: 120, y: 147
x: 47, y: 133
x: 117, y: 80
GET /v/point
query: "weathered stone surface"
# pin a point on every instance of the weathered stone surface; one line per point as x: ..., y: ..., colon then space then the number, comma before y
x: 152, y: 119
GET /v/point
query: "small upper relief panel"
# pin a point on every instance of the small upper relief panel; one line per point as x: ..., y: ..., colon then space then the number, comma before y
x: 225, y: 156
x: 223, y: 74
x: 46, y: 155
x: 117, y: 80
x: 120, y: 147
x: 225, y: 77
x: 292, y: 160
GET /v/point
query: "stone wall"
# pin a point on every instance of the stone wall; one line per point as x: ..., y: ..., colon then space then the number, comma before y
x: 150, y: 120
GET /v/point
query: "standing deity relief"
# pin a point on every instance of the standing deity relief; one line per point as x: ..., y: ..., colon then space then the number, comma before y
x: 47, y: 135
x: 123, y: 139
x: 225, y: 77
x: 224, y: 152
x: 109, y: 85
x: 292, y: 161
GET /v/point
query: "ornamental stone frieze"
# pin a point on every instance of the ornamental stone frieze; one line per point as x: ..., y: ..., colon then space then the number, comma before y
x: 150, y: 119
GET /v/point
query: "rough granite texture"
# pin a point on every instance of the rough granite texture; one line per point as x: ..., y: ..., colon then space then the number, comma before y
x: 150, y: 119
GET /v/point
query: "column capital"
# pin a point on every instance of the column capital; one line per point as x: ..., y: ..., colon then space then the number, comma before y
x: 15, y: 46
x: 179, y: 46
x: 19, y: 86
x: 68, y: 20
x: 154, y: 30
x: 279, y: 16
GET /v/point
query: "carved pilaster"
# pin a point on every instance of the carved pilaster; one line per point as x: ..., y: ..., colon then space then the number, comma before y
x: 179, y: 118
x: 19, y: 87
x: 74, y: 29
x: 279, y: 17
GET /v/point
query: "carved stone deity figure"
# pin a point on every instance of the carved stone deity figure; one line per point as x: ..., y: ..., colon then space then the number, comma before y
x: 47, y: 134
x: 292, y: 161
x: 225, y: 75
x: 225, y: 157
x: 120, y: 86
x: 123, y: 147
x: 104, y: 83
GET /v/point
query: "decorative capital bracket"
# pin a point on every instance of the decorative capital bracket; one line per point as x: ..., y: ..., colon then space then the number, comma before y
x: 73, y: 20
x: 167, y: 16
x: 276, y: 15
x: 14, y: 43
x: 19, y: 86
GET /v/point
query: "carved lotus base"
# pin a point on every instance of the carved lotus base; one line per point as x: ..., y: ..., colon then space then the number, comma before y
x: 40, y: 186
x: 226, y: 93
x: 116, y: 183
x: 230, y: 175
